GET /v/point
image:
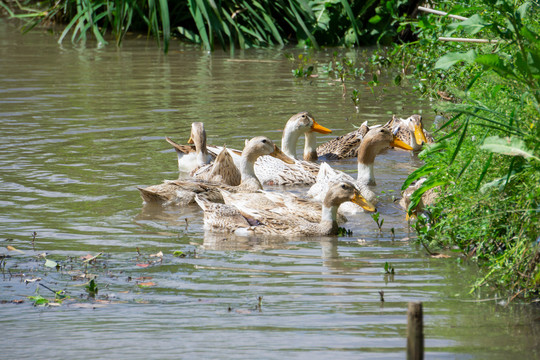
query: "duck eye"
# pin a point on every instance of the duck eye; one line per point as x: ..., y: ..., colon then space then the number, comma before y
x: 343, y: 186
x: 264, y: 141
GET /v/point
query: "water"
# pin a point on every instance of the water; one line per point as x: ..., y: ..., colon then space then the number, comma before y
x: 81, y: 128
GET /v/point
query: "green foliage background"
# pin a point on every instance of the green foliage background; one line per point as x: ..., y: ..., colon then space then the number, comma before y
x: 485, y: 163
x: 227, y: 23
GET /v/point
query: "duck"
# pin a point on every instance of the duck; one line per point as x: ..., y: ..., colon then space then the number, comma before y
x: 275, y: 172
x: 271, y: 171
x: 183, y: 192
x: 344, y: 146
x: 245, y: 221
x: 192, y: 157
x: 410, y: 131
x: 375, y: 140
x: 427, y: 199
x: 202, y: 164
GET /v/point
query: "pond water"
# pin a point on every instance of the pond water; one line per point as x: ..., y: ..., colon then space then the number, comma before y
x: 82, y: 127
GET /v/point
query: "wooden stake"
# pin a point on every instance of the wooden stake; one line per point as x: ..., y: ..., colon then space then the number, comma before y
x: 442, y: 13
x: 415, y: 331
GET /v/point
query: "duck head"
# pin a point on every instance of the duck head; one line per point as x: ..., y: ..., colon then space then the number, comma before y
x: 298, y: 124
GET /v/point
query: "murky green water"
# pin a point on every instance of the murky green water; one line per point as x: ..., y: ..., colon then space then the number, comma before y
x: 81, y: 128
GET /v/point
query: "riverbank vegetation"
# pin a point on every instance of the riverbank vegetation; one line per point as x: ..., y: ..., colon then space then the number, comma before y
x: 227, y: 24
x: 486, y: 162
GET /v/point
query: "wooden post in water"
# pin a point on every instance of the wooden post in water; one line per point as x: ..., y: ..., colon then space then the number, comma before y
x: 415, y: 331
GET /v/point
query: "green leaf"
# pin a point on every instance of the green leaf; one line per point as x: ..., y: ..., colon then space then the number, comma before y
x: 165, y: 24
x: 508, y: 146
x: 431, y: 148
x: 38, y: 300
x: 494, y: 62
x: 460, y: 142
x: 417, y: 174
x: 448, y: 60
x: 484, y: 172
x: 350, y: 13
x: 471, y: 26
x: 375, y: 19
x: 427, y: 185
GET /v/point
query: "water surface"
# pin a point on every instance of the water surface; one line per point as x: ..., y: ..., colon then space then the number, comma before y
x: 82, y: 127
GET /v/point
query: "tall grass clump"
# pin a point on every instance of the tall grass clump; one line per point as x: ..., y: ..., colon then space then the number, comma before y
x: 226, y: 23
x: 103, y: 19
x: 486, y: 162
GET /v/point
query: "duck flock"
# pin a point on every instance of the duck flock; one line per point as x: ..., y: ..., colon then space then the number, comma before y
x: 228, y: 184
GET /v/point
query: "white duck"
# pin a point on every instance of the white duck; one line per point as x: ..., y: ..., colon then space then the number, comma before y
x: 274, y: 172
x: 182, y: 192
x: 189, y: 157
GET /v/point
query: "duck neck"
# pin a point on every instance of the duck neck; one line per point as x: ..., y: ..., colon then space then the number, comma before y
x: 366, y: 159
x: 247, y: 171
x: 202, y: 156
x: 289, y: 141
x: 310, y: 147
x: 328, y: 224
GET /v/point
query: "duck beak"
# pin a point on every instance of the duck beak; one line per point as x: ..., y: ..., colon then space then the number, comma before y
x: 277, y: 153
x: 361, y: 201
x: 319, y: 128
x: 190, y: 141
x: 419, y: 135
x: 411, y: 216
x: 400, y: 144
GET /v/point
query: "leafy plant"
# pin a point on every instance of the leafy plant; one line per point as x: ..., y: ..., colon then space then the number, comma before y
x: 92, y: 288
x: 388, y: 268
x: 38, y: 300
x: 344, y: 232
x: 378, y: 220
x: 486, y: 159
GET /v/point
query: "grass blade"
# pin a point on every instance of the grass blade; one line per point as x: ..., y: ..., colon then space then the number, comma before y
x: 303, y: 25
x: 460, y: 142
x: 484, y: 171
x: 165, y: 24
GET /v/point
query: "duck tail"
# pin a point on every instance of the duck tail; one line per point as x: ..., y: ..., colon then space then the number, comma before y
x: 150, y: 196
x: 184, y: 149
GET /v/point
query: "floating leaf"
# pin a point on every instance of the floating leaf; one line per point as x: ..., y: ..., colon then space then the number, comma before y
x: 439, y: 256
x: 50, y: 263
x: 144, y: 278
x: 159, y: 254
x: 147, y: 284
x: 143, y: 265
x: 11, y: 248
x: 508, y: 146
x: 38, y: 300
x: 89, y: 257
x: 28, y: 281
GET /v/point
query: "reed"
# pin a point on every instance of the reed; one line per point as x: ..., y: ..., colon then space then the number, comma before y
x: 226, y: 23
